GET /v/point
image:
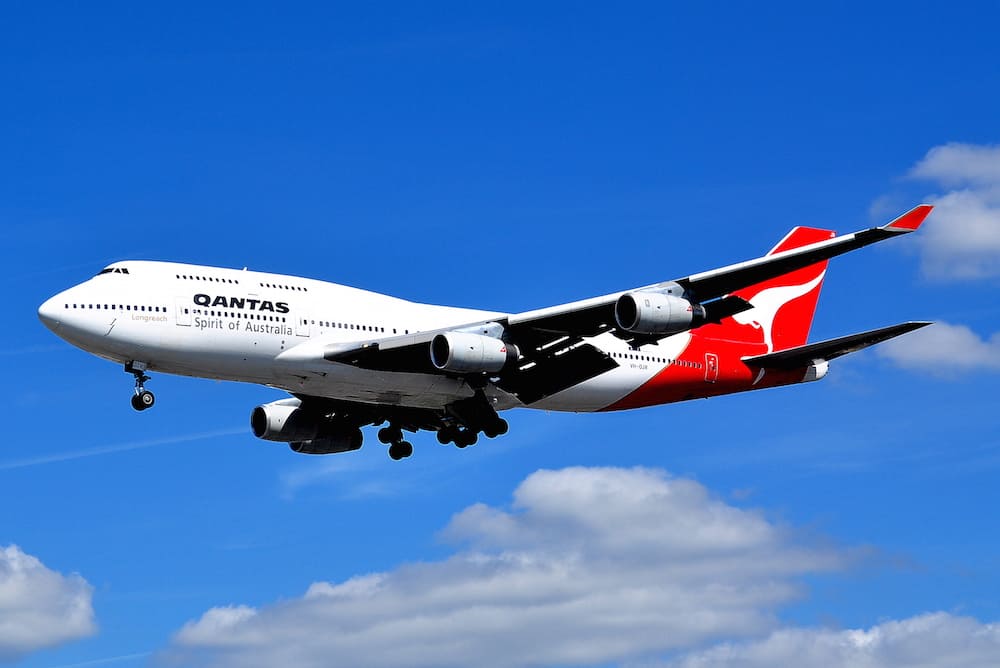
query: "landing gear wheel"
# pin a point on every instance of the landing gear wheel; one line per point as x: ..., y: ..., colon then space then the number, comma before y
x: 400, y: 450
x: 497, y: 428
x: 447, y: 435
x: 143, y: 400
x: 465, y: 438
x: 390, y: 435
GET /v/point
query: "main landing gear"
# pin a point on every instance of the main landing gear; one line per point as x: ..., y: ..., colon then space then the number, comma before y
x: 142, y: 399
x: 471, y: 416
x: 393, y: 437
x: 463, y: 437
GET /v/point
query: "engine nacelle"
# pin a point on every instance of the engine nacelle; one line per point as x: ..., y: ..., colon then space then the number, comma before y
x: 463, y: 352
x: 657, y: 313
x: 285, y: 422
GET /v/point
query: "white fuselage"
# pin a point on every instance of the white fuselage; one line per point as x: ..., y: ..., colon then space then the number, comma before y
x: 256, y: 327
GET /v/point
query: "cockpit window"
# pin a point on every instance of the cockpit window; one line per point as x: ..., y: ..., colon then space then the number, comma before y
x: 113, y: 270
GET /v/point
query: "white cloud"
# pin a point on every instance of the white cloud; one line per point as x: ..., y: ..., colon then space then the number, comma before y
x: 39, y: 607
x: 961, y: 239
x: 937, y: 639
x: 957, y: 164
x: 945, y: 350
x: 589, y: 566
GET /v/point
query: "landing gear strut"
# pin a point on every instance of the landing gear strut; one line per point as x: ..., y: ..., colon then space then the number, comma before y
x: 143, y: 399
x: 393, y: 436
x: 476, y: 414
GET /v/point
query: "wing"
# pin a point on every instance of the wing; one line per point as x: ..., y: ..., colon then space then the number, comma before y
x: 554, y: 352
x: 362, y: 414
x: 594, y: 316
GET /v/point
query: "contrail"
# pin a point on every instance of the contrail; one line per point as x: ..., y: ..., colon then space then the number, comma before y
x: 102, y: 662
x: 111, y: 449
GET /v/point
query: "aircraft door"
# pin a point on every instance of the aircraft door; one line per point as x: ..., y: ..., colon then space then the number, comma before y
x: 711, y: 367
x: 182, y: 311
x: 301, y: 324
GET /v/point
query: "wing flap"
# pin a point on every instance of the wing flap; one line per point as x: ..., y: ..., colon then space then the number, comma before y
x: 802, y: 356
x: 556, y: 372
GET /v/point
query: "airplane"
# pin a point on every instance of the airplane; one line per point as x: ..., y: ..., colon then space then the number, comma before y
x: 351, y: 358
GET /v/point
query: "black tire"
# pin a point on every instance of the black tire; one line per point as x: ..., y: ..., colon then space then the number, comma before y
x: 387, y: 435
x: 465, y: 438
x: 396, y: 452
x: 497, y: 428
x: 406, y: 448
x: 136, y: 404
x: 444, y: 436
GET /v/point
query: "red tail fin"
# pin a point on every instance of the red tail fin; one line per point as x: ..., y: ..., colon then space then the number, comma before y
x: 783, y: 306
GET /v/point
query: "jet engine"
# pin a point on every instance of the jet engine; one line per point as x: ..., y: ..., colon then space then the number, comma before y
x: 649, y: 312
x: 284, y: 421
x: 464, y: 352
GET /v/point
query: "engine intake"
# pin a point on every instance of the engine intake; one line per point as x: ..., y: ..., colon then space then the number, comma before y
x: 284, y: 421
x: 657, y: 313
x: 463, y: 352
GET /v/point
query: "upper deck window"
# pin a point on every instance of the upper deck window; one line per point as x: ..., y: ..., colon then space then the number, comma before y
x: 113, y: 270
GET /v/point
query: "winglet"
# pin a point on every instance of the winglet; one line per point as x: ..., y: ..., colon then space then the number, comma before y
x: 910, y: 220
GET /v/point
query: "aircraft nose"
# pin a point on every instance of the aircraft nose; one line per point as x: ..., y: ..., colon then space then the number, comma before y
x: 49, y: 313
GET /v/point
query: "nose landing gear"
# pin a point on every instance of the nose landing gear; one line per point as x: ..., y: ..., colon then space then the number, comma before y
x: 143, y: 399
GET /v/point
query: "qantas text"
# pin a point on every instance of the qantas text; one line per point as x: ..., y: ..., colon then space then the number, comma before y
x: 241, y: 302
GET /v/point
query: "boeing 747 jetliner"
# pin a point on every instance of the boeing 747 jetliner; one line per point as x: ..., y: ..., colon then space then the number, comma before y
x: 352, y: 358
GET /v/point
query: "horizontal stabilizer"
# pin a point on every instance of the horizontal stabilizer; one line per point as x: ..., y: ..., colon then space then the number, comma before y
x: 802, y: 356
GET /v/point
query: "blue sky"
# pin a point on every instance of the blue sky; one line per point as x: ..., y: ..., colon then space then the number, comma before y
x: 504, y: 156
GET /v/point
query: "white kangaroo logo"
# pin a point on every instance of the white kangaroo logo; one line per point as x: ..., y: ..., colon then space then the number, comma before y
x: 767, y: 303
